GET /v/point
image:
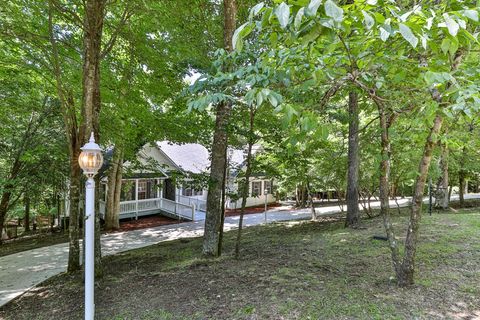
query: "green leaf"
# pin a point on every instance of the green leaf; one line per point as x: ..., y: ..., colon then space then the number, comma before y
x: 237, y: 39
x: 423, y: 39
x: 385, y: 31
x: 445, y: 45
x: 449, y: 45
x: 273, y: 100
x: 451, y: 24
x: 259, y: 98
x: 298, y: 18
x: 430, y: 77
x: 368, y: 20
x: 429, y: 23
x: 283, y: 14
x: 471, y: 14
x: 408, y: 35
x: 313, y: 7
x: 333, y: 11
x: 256, y: 9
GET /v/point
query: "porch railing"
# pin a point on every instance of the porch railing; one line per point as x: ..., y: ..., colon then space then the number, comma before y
x: 200, y: 205
x: 176, y: 209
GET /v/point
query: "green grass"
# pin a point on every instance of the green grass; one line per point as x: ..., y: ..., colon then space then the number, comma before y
x: 295, y: 270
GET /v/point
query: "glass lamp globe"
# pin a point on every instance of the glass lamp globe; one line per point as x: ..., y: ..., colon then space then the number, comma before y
x: 91, y: 158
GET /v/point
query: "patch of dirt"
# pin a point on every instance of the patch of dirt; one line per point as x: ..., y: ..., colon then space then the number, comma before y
x: 294, y: 270
x: 251, y: 210
x: 146, y: 222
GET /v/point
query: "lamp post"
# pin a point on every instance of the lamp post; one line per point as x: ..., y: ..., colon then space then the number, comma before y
x: 90, y: 160
x: 265, y: 193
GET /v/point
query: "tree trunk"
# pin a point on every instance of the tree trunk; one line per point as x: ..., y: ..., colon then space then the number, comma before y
x: 224, y: 199
x: 312, y: 204
x: 353, y: 212
x: 73, y: 227
x: 385, y: 187
x: 461, y: 178
x: 213, y: 217
x: 118, y: 192
x: 441, y: 196
x: 405, y: 276
x: 246, y: 183
x: 113, y: 190
x: 92, y: 43
x: 26, y: 220
x: 3, y: 210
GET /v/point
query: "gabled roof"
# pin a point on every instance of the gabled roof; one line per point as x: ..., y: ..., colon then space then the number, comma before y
x: 191, y: 157
x: 195, y: 158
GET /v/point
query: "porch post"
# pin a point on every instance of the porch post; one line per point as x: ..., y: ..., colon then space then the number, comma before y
x: 136, y: 199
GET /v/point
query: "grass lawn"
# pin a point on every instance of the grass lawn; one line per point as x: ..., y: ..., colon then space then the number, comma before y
x: 303, y: 270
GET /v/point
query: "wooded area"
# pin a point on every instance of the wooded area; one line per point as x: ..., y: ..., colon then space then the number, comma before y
x: 361, y: 99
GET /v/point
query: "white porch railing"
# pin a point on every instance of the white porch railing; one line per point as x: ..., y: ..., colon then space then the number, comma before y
x: 176, y: 209
x: 200, y: 205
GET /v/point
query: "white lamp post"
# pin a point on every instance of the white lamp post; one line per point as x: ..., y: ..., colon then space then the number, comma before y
x: 265, y: 193
x: 90, y: 160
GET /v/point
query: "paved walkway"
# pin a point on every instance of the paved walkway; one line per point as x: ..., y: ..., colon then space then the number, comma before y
x: 21, y: 271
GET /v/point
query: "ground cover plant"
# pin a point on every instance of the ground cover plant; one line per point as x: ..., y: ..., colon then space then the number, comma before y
x: 302, y: 270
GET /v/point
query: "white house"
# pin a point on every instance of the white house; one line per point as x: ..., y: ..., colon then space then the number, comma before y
x: 170, y: 184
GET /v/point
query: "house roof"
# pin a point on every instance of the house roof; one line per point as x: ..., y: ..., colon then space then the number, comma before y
x: 195, y: 158
x: 191, y: 157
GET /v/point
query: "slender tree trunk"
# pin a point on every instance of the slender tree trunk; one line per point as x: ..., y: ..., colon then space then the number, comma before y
x: 246, y: 183
x: 74, y: 134
x: 385, y: 187
x: 441, y: 195
x: 405, y: 277
x: 406, y: 274
x: 27, y: 212
x: 304, y: 196
x: 113, y: 191
x: 353, y: 212
x: 92, y: 43
x: 3, y: 210
x: 461, y: 178
x: 224, y: 198
x: 213, y: 217
x: 118, y: 192
x: 312, y: 204
x: 73, y: 227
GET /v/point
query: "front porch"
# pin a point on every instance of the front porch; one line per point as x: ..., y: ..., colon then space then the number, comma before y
x: 142, y: 197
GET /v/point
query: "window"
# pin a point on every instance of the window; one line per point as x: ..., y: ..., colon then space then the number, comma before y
x: 267, y: 186
x: 147, y: 189
x: 189, y: 192
x: 128, y: 191
x: 256, y: 188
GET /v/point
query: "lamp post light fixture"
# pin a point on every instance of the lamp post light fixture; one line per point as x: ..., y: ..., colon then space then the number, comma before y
x: 265, y: 193
x: 90, y: 160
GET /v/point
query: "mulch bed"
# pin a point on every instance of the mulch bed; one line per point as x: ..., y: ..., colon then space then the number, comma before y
x: 158, y: 220
x: 146, y: 222
x: 251, y: 210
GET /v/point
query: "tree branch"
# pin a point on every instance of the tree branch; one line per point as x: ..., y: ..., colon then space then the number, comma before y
x: 111, y: 42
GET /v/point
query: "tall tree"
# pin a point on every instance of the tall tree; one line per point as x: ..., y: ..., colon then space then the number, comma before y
x: 353, y: 213
x: 213, y: 219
